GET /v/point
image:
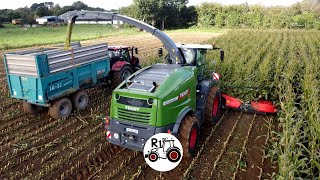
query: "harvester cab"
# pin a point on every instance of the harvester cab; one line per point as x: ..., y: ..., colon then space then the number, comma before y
x: 194, y: 55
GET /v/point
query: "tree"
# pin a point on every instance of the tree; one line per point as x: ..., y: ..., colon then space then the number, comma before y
x: 189, y: 16
x: 207, y: 13
x: 80, y: 6
x: 131, y: 11
x: 49, y: 5
x: 159, y: 12
x: 27, y: 17
x: 42, y: 9
x: 6, y: 15
x: 56, y: 10
x: 65, y: 9
x: 147, y: 10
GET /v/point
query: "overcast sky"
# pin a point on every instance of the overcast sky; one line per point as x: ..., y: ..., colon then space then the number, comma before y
x: 115, y: 4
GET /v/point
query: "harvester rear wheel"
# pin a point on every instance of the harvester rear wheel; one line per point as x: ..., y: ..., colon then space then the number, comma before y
x: 189, y: 135
x: 80, y: 100
x: 121, y: 75
x: 213, y: 105
x: 61, y: 108
x: 31, y: 108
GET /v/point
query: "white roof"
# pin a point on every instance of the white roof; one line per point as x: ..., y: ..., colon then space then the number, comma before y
x: 195, y: 46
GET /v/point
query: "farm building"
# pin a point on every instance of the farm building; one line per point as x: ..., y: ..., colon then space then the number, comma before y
x: 92, y: 20
x: 16, y: 21
x: 48, y: 20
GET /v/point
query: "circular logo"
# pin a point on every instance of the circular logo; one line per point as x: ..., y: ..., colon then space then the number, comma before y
x: 163, y: 152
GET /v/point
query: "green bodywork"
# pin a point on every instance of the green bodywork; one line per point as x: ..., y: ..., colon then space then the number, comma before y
x: 179, y: 87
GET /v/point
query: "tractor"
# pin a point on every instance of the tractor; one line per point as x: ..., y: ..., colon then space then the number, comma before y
x: 173, y: 97
x: 167, y: 151
x: 123, y: 62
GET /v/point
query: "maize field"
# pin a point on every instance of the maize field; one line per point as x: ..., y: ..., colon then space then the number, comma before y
x: 283, y: 66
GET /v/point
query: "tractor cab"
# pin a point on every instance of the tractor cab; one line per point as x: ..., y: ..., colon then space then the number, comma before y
x: 124, y: 53
x: 168, y: 144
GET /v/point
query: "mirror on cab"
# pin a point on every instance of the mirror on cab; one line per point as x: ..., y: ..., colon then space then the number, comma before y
x: 222, y: 55
x: 160, y: 52
x: 136, y: 50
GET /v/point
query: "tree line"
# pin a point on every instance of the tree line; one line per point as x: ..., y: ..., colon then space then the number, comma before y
x: 170, y: 14
x: 166, y: 14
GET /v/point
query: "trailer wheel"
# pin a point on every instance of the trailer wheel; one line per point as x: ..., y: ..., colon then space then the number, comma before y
x: 213, y: 105
x: 31, y: 108
x: 80, y: 100
x: 61, y: 108
x: 121, y: 75
x: 188, y: 135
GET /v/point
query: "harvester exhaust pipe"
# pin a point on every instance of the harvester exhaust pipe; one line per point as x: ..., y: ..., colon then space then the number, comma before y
x: 71, y: 22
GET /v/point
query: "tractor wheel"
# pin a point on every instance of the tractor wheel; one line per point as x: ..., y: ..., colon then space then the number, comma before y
x: 121, y: 75
x: 61, y: 108
x: 153, y: 157
x: 80, y: 100
x: 188, y: 135
x: 213, y: 105
x: 173, y: 155
x: 31, y: 108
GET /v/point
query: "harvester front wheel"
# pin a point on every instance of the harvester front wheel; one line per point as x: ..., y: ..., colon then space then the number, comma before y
x: 80, y: 100
x: 31, y: 108
x: 189, y: 135
x: 213, y: 105
x: 60, y: 108
x: 121, y: 75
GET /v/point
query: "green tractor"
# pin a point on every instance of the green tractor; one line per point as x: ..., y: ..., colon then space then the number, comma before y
x: 175, y: 98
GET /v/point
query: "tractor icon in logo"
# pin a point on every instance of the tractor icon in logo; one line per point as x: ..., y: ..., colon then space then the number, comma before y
x: 163, y: 152
x: 167, y: 151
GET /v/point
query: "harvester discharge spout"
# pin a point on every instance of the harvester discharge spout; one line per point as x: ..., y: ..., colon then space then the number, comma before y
x: 170, y: 46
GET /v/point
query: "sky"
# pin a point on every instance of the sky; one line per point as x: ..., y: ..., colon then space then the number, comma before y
x: 115, y: 4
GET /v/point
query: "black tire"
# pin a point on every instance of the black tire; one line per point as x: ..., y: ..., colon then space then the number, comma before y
x: 60, y: 108
x: 169, y: 155
x: 153, y: 154
x: 31, y: 108
x: 187, y: 138
x: 121, y: 75
x: 80, y: 100
x: 213, y: 105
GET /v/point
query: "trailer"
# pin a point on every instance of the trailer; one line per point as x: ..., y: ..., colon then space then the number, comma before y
x: 56, y: 78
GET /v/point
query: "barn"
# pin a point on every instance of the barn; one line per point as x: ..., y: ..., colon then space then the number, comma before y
x: 48, y: 20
